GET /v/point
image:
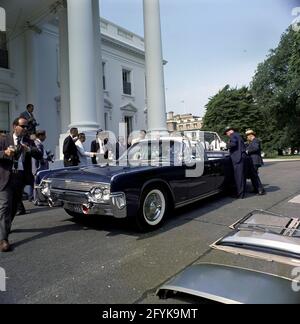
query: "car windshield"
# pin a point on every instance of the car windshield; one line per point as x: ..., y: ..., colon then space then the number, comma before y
x: 157, y: 151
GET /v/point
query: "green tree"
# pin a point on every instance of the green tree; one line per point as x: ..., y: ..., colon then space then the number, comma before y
x: 276, y: 90
x: 232, y: 107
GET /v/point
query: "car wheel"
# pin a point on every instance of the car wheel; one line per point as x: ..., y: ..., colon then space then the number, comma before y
x: 153, y: 209
x: 73, y: 214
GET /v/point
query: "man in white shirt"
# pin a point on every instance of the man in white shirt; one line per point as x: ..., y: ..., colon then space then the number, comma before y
x: 22, y: 175
x: 83, y: 155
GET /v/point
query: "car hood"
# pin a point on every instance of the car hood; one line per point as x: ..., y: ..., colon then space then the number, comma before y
x: 95, y: 173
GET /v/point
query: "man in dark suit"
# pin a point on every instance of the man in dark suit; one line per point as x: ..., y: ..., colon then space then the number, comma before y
x: 32, y: 123
x: 70, y: 152
x: 103, y: 151
x: 95, y: 146
x: 16, y: 153
x: 120, y: 147
x: 22, y: 163
x: 238, y: 156
x: 6, y: 162
x: 42, y: 164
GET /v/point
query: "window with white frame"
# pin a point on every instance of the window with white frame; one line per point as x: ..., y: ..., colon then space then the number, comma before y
x: 2, y: 20
x: 127, y: 88
x: 103, y: 75
x: 3, y: 40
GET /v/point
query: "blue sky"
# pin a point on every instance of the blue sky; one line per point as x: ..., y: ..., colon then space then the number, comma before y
x: 208, y: 43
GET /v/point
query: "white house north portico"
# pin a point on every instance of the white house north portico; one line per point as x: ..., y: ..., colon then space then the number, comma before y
x: 55, y: 55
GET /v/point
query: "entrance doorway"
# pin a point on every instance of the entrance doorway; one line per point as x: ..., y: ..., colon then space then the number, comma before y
x: 129, y: 122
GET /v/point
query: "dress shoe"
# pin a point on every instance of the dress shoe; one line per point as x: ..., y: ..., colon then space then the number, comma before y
x: 261, y: 192
x: 22, y: 212
x: 4, y: 246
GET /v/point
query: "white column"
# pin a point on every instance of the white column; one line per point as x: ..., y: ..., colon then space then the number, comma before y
x: 82, y: 60
x: 98, y: 64
x: 154, y: 67
x: 64, y: 70
x: 32, y: 71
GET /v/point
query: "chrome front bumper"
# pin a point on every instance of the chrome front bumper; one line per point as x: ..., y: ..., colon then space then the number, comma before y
x: 74, y: 200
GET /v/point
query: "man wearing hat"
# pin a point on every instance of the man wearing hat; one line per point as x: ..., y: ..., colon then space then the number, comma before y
x: 238, y: 156
x: 254, y: 149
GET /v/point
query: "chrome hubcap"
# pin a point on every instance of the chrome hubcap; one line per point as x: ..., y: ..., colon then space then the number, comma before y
x: 153, y: 207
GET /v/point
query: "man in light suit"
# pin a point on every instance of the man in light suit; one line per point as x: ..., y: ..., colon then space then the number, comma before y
x: 83, y: 155
x: 254, y: 149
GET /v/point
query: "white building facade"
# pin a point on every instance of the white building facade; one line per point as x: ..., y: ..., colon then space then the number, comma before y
x: 37, y: 70
x: 53, y: 55
x: 123, y: 68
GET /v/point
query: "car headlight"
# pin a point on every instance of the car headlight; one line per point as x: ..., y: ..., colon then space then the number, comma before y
x: 97, y: 193
x: 100, y: 194
x: 45, y: 188
x: 106, y: 194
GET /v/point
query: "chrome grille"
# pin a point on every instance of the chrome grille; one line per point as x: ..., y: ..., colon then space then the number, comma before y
x: 72, y: 185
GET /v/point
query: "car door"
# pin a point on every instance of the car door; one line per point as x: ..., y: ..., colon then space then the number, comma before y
x: 201, y: 175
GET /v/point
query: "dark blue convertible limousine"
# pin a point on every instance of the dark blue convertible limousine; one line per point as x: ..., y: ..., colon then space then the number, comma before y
x: 147, y: 182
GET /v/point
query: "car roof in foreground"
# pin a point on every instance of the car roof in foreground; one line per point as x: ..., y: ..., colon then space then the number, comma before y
x: 231, y: 285
x: 262, y: 236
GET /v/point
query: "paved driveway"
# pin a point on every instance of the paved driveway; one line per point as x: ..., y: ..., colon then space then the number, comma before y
x: 59, y: 260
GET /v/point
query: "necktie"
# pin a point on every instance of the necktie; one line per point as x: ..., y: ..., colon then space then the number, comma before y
x: 17, y: 153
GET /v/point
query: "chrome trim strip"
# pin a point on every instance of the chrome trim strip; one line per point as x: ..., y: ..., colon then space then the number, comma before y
x: 62, y: 184
x: 80, y: 198
x: 256, y: 254
x: 190, y: 201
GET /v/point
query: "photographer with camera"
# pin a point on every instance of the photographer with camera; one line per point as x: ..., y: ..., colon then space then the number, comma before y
x: 42, y: 163
x: 47, y: 156
x: 16, y: 152
x: 32, y: 123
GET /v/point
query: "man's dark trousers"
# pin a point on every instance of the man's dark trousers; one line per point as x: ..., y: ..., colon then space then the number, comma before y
x: 17, y: 186
x: 5, y: 212
x: 238, y: 157
x: 239, y: 175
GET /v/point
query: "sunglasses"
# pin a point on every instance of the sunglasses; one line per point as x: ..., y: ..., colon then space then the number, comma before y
x: 23, y: 126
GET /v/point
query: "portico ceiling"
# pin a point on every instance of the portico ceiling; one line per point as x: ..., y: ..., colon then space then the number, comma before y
x: 19, y: 12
